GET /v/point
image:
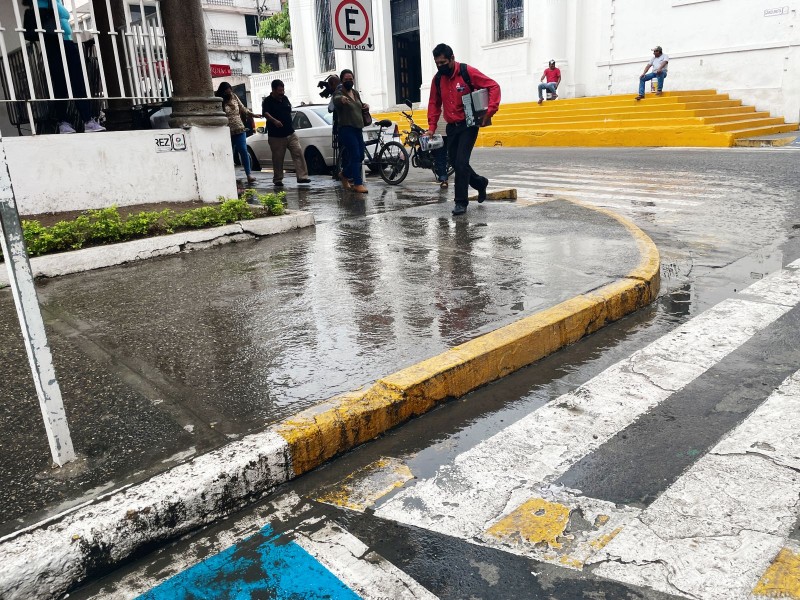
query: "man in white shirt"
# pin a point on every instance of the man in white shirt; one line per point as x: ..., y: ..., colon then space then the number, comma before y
x: 659, y: 65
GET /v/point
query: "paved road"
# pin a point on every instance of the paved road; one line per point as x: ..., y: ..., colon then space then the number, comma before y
x: 658, y: 458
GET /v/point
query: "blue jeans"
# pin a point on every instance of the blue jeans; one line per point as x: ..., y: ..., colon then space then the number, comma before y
x: 550, y: 87
x: 351, y: 141
x: 652, y: 75
x: 440, y: 161
x: 239, y: 144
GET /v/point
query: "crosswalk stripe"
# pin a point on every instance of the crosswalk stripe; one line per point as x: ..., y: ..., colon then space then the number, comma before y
x: 611, y: 200
x: 729, y: 514
x: 488, y: 483
x: 363, y: 571
x: 674, y: 178
x: 678, y: 196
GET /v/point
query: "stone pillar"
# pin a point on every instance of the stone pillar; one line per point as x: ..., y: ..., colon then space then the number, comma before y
x: 193, y: 100
x: 118, y: 113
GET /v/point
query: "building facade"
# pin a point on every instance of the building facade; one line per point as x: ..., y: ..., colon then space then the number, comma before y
x: 234, y: 48
x: 747, y: 48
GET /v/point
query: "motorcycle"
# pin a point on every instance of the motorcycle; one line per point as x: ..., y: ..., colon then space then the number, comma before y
x: 421, y: 151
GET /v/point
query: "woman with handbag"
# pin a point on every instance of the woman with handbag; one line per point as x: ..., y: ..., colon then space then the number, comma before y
x: 237, y: 114
x: 352, y: 116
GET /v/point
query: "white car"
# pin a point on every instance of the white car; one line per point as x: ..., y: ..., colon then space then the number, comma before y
x: 313, y: 125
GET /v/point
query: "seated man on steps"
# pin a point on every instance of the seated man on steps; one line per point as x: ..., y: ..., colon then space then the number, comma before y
x: 659, y: 65
x: 553, y: 77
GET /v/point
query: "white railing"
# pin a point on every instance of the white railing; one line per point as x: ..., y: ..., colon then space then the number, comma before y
x: 261, y: 85
x: 39, y: 67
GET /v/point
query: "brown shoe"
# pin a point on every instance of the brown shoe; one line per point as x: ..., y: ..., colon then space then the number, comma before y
x: 360, y: 189
x: 345, y: 182
x: 541, y: 100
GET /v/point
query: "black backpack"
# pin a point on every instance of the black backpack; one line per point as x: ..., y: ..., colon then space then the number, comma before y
x: 437, y: 80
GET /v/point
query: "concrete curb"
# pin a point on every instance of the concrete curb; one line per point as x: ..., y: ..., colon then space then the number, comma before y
x: 52, y: 557
x: 98, y: 257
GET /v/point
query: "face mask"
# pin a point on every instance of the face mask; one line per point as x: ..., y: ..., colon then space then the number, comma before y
x: 446, y: 70
x: 348, y: 85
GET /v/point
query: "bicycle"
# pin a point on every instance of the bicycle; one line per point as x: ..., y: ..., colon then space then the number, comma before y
x: 389, y: 159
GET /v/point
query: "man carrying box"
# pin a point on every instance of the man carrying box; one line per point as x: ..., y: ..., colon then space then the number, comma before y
x: 453, y: 81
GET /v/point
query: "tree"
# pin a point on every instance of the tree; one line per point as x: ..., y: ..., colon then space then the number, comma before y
x: 277, y: 27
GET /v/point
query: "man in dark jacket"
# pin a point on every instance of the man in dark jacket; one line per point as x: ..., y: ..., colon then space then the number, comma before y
x: 447, y: 88
x: 277, y: 110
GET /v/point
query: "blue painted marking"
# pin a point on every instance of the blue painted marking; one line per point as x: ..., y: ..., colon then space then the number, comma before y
x: 262, y: 566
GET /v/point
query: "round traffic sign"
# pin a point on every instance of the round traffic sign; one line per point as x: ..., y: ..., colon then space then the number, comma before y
x: 352, y: 22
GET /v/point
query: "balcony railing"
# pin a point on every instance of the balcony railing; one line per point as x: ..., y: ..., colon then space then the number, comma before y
x: 39, y: 68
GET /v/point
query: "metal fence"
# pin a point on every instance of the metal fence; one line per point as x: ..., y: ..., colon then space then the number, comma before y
x: 47, y: 62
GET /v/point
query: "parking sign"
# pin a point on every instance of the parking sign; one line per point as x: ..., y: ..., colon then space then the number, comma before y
x: 352, y: 25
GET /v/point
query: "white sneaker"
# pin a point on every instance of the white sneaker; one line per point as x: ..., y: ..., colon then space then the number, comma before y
x: 64, y: 127
x: 92, y: 126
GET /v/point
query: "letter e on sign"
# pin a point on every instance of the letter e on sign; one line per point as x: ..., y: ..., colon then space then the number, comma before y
x: 352, y: 25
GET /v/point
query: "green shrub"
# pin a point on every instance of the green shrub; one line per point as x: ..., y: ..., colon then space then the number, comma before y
x: 106, y: 225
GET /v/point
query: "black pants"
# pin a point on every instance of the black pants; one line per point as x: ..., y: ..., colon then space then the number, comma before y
x: 460, y: 142
x: 60, y: 90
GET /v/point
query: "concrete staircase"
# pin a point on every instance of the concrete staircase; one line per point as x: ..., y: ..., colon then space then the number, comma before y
x: 701, y: 118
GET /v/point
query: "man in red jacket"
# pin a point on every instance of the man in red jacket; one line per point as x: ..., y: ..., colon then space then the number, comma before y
x: 447, y: 88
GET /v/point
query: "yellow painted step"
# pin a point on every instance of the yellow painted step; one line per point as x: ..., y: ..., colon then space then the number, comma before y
x: 753, y: 132
x: 631, y: 137
x: 609, y: 123
x: 753, y: 123
x: 716, y: 115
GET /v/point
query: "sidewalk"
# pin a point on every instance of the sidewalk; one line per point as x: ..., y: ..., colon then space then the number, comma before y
x: 168, y: 359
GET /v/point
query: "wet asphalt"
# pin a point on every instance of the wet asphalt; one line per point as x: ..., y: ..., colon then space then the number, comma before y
x: 745, y: 226
x: 168, y: 358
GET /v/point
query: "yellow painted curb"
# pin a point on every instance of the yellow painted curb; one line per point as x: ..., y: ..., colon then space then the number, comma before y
x: 342, y: 423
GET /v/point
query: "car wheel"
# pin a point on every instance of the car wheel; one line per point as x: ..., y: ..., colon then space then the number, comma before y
x: 254, y: 164
x: 314, y: 161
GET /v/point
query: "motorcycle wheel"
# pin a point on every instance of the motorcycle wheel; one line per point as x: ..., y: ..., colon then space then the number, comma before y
x: 393, y: 163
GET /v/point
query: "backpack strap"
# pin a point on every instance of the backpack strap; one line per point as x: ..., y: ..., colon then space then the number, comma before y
x: 465, y: 76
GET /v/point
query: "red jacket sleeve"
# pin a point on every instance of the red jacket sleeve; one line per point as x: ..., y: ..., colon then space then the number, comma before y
x: 434, y: 107
x: 481, y: 81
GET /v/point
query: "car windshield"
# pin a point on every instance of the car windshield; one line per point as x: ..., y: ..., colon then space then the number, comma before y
x: 324, y: 114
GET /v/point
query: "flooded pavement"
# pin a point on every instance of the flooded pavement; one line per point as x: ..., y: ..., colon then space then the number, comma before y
x: 734, y: 220
x: 168, y: 358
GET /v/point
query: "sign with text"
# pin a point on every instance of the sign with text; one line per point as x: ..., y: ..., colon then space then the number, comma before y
x: 220, y: 70
x: 170, y: 142
x: 776, y: 12
x: 352, y: 25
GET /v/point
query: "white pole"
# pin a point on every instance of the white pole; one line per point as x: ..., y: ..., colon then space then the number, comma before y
x: 30, y: 317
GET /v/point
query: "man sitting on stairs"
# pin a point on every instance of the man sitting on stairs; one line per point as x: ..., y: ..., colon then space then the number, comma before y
x: 659, y: 65
x: 553, y: 76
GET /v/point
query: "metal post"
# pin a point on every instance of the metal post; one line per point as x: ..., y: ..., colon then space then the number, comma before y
x: 30, y: 318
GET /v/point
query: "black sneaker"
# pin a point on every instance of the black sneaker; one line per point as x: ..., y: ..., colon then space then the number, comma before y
x: 303, y: 181
x: 482, y: 190
x: 460, y: 209
x: 277, y: 183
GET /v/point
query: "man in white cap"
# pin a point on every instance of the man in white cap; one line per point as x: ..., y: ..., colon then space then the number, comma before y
x: 553, y: 77
x: 659, y: 65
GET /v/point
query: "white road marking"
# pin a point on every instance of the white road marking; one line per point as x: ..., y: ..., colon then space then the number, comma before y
x: 645, y: 192
x: 603, y: 199
x: 368, y: 574
x: 714, y: 532
x: 493, y: 479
